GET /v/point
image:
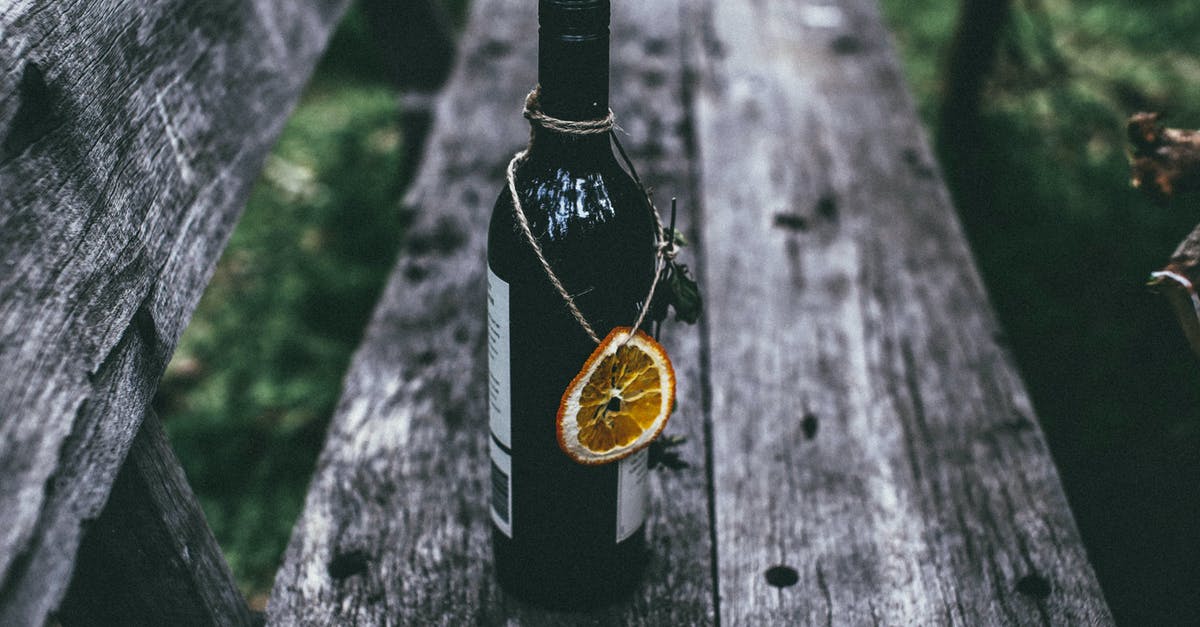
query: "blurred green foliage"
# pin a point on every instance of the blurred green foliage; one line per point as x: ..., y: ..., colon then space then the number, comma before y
x: 248, y: 394
x: 1066, y: 246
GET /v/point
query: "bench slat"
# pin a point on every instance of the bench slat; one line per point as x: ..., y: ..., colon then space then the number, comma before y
x: 130, y: 133
x: 150, y: 558
x: 868, y: 430
x: 395, y: 528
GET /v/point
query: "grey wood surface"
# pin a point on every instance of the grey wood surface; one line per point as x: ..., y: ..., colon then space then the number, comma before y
x: 129, y: 135
x: 868, y: 428
x: 150, y: 558
x: 395, y: 529
x: 876, y: 458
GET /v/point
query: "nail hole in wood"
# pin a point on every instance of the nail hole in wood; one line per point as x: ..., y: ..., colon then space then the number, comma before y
x: 782, y: 576
x: 809, y: 426
x: 348, y: 564
x: 653, y: 78
x: 827, y: 208
x: 1035, y: 586
x: 791, y: 221
x: 655, y: 47
x: 415, y: 273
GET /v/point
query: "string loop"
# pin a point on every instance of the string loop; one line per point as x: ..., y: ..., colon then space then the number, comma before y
x: 664, y: 248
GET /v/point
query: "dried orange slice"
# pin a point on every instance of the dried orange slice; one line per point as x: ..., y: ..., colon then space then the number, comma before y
x: 619, y: 402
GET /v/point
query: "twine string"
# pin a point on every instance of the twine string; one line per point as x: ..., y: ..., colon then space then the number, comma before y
x: 664, y: 249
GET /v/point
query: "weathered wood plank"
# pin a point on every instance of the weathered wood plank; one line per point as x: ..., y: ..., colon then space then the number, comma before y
x: 129, y: 135
x: 395, y: 529
x: 868, y: 430
x: 150, y: 558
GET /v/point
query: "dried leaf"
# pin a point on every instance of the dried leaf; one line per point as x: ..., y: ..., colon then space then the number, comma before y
x: 1164, y: 161
x: 685, y: 294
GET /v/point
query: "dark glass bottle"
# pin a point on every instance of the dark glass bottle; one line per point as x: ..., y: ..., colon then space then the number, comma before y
x: 564, y: 535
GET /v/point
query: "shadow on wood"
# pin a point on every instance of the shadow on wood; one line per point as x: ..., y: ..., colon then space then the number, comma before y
x: 150, y: 558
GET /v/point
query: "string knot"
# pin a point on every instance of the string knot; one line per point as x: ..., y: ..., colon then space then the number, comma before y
x: 533, y: 113
x: 668, y: 249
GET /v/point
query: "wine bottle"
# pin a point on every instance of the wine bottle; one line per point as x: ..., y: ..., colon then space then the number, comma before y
x: 564, y: 534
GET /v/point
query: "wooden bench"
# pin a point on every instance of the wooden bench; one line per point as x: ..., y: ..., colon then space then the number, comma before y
x: 130, y: 133
x: 849, y: 414
x: 861, y: 448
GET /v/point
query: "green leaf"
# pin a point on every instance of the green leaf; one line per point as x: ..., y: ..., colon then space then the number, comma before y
x: 685, y: 294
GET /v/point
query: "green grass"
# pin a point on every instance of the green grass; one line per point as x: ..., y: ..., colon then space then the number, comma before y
x: 249, y: 392
x: 1065, y: 247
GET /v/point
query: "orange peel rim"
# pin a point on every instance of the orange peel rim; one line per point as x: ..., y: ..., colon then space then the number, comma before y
x: 599, y: 352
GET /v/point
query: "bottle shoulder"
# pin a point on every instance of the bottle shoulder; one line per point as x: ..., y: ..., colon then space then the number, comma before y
x: 574, y: 209
x: 596, y: 230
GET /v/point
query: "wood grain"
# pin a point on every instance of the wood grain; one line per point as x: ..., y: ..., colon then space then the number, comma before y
x: 150, y: 558
x: 869, y: 431
x: 129, y: 135
x: 395, y: 529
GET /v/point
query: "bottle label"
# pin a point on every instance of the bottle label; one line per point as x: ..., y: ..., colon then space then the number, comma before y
x: 631, y: 493
x: 499, y: 380
x: 631, y: 472
x: 500, y: 402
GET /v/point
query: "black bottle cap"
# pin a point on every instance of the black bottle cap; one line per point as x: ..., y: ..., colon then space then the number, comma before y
x: 574, y: 20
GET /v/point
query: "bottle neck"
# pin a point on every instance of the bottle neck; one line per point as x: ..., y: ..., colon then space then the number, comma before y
x: 570, y: 150
x: 573, y: 58
x: 574, y: 77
